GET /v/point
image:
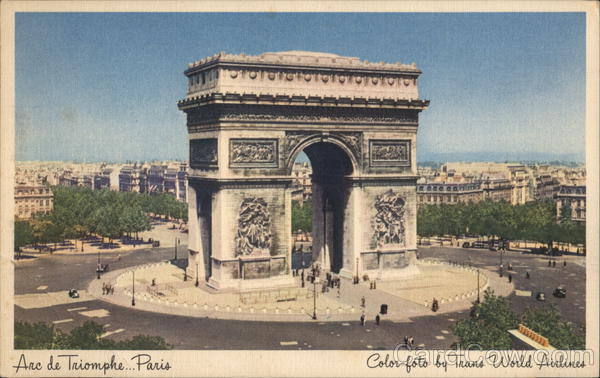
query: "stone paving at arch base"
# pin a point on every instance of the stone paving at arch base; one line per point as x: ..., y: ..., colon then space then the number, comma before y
x: 454, y: 286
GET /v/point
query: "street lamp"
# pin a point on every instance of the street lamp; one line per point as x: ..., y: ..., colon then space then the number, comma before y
x: 98, y: 267
x: 197, y: 283
x: 176, y: 242
x: 478, y: 299
x: 502, y: 249
x: 314, y: 278
x: 133, y: 288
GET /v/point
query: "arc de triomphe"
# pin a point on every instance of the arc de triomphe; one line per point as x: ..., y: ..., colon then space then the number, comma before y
x: 249, y: 117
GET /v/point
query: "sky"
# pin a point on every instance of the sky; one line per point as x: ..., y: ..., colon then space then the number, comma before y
x: 104, y: 86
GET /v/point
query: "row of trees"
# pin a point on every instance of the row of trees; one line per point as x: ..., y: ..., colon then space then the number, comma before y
x: 487, y: 327
x: 79, y: 212
x: 534, y: 221
x: 86, y: 336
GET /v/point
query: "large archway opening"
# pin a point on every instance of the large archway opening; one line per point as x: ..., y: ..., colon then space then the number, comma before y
x: 320, y: 199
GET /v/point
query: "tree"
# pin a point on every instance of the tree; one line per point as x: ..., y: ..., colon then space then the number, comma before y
x: 565, y: 212
x: 301, y: 217
x: 23, y: 235
x: 546, y: 321
x: 33, y: 336
x: 87, y: 336
x: 488, y: 325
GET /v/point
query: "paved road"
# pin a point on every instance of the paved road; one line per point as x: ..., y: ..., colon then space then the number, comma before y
x: 543, y: 278
x: 63, y: 272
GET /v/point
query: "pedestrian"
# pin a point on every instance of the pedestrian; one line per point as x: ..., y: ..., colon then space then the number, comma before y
x: 103, y: 288
x: 554, y: 263
x: 374, y: 285
x: 510, y: 266
x: 112, y: 290
x: 406, y: 342
x: 377, y: 319
x: 564, y: 263
x: 411, y: 342
x: 510, y: 278
x: 302, y: 275
x: 362, y: 319
x: 362, y: 302
x: 527, y: 275
x: 549, y: 263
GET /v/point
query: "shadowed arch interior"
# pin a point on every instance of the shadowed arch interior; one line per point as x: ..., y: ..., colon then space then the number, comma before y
x: 330, y: 164
x: 327, y: 159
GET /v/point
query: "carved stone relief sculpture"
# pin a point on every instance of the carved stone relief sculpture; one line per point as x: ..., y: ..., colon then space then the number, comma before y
x: 249, y: 152
x: 203, y: 151
x: 389, y: 219
x: 389, y: 152
x: 254, y: 228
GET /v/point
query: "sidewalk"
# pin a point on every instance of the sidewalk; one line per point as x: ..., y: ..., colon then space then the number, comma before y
x: 172, y: 295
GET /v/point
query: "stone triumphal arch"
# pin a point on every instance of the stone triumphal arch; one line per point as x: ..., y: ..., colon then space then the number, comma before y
x: 249, y: 117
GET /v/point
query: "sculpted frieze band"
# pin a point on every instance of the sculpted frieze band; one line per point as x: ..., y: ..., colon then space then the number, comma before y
x: 389, y: 152
x: 253, y: 152
x: 314, y: 114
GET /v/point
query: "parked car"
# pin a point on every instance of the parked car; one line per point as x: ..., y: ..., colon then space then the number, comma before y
x: 479, y: 244
x: 73, y: 293
x: 560, y: 292
x: 555, y: 252
x: 466, y: 245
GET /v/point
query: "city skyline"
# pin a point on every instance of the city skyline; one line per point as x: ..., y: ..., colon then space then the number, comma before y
x: 508, y: 86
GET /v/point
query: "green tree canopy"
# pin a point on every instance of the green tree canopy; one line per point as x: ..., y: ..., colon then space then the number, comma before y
x: 488, y: 326
x: 547, y: 322
x: 86, y: 336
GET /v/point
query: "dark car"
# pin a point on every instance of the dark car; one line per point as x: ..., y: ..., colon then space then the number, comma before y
x: 555, y: 252
x: 73, y: 293
x: 560, y: 292
x: 479, y: 244
x: 102, y: 268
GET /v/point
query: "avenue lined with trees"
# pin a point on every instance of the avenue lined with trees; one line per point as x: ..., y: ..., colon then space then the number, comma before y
x: 534, y: 221
x: 80, y: 212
